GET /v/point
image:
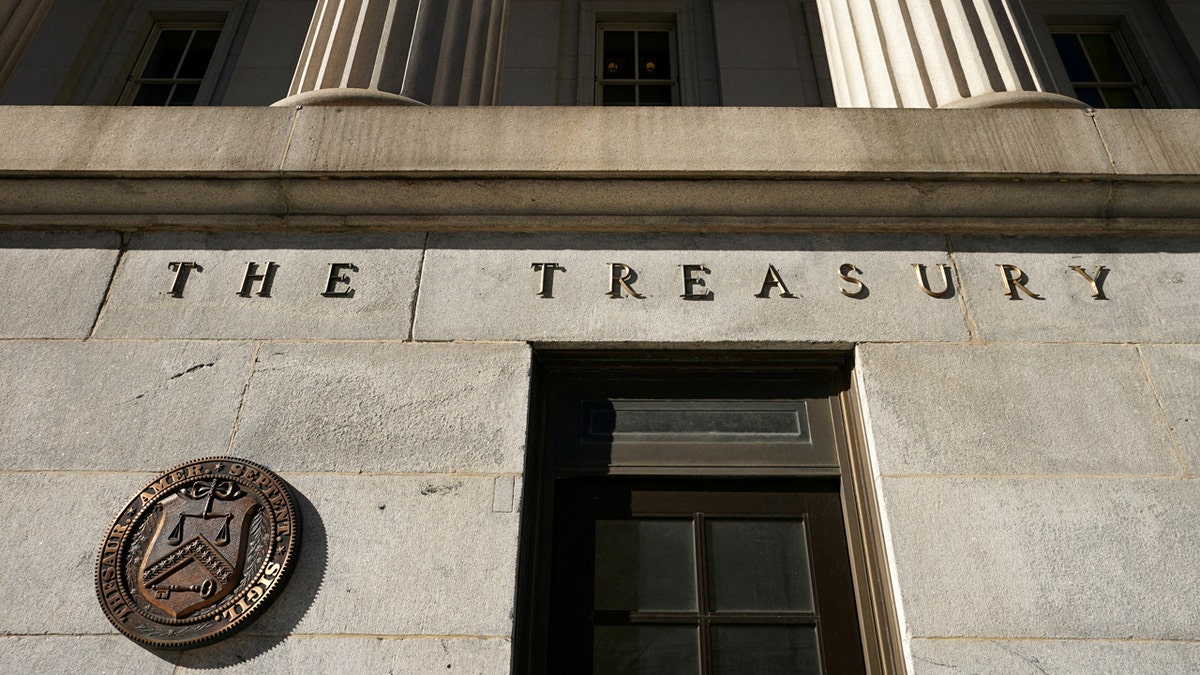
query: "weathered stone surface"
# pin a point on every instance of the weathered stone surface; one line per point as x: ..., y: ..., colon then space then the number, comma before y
x: 54, y: 524
x: 99, y: 654
x: 1175, y: 371
x: 1012, y: 409
x: 53, y: 285
x: 1053, y: 657
x: 489, y: 283
x: 1151, y: 142
x: 125, y: 139
x: 669, y: 140
x: 387, y: 407
x: 351, y: 655
x: 1064, y: 558
x: 141, y: 304
x: 399, y: 555
x: 118, y: 405
x: 1151, y: 288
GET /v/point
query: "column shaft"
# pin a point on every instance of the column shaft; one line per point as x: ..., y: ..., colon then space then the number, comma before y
x: 19, y: 22
x: 934, y: 54
x: 381, y: 52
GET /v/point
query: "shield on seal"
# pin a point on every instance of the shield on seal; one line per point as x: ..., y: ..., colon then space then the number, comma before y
x: 196, y: 554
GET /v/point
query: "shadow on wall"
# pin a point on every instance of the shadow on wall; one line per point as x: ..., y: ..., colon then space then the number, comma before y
x: 282, y: 617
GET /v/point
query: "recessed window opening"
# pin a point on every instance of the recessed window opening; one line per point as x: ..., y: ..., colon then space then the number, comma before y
x: 1100, y: 68
x: 636, y: 65
x: 172, y: 65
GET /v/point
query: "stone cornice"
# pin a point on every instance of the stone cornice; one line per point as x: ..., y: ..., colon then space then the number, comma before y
x: 604, y: 169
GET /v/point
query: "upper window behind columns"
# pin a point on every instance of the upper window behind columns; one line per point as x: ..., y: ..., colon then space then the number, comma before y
x: 1115, y: 53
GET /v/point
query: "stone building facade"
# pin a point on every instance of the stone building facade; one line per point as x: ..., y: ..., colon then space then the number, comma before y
x: 899, y: 257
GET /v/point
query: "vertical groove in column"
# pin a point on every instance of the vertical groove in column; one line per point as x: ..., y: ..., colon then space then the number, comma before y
x: 19, y: 22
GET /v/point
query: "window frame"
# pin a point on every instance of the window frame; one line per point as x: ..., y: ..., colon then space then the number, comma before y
x: 207, y: 82
x: 676, y: 13
x: 601, y: 81
x: 556, y: 372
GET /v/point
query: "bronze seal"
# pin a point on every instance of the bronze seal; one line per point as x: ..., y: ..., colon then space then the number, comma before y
x: 197, y: 553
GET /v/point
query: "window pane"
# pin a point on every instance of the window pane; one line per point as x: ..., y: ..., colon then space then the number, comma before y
x: 1073, y: 57
x: 621, y: 94
x: 652, y: 650
x: 758, y: 565
x: 152, y: 94
x: 765, y: 650
x: 1115, y: 97
x: 185, y: 94
x: 645, y: 564
x: 654, y: 55
x: 1106, y: 58
x: 658, y: 94
x: 618, y: 55
x: 167, y: 53
x: 199, y: 54
x: 1090, y: 96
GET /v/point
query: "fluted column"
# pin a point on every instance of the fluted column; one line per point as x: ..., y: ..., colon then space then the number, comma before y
x: 400, y: 52
x: 935, y: 54
x: 19, y: 22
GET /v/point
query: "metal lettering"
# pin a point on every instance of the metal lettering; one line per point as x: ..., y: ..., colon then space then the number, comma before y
x: 773, y: 280
x: 252, y: 277
x: 1014, y: 280
x: 546, y: 279
x: 1096, y: 281
x: 621, y: 276
x: 860, y: 290
x: 182, y: 270
x: 923, y: 280
x: 690, y: 283
x: 337, y: 277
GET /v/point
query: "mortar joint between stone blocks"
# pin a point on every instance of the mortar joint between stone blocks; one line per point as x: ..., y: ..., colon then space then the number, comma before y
x: 1162, y: 411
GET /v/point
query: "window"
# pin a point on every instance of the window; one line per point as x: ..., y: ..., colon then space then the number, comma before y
x: 696, y: 514
x: 172, y: 66
x: 1116, y: 53
x: 636, y: 65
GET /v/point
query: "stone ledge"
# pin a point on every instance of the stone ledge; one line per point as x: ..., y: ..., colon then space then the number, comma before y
x: 667, y: 167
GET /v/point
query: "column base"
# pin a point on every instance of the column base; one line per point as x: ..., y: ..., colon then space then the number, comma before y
x: 344, y: 97
x: 1018, y: 99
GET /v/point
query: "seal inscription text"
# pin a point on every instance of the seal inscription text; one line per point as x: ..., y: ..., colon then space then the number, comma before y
x: 197, y: 553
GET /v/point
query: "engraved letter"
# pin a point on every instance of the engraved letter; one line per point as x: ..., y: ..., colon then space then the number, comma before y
x: 252, y: 276
x: 336, y: 277
x: 844, y: 272
x: 181, y: 270
x: 773, y: 280
x: 1097, y: 281
x: 690, y: 283
x: 620, y: 276
x: 923, y: 280
x: 1015, y: 279
x: 546, y: 281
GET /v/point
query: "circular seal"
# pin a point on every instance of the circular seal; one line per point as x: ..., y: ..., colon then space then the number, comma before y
x: 197, y: 553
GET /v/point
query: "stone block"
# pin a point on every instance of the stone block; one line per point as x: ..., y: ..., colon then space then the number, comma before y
x: 141, y: 303
x: 1147, y: 288
x: 728, y: 141
x: 53, y: 284
x: 1175, y: 371
x: 489, y: 283
x: 94, y: 654
x: 399, y: 556
x: 264, y: 656
x: 1012, y: 410
x: 1152, y: 142
x: 1069, y: 558
x: 54, y: 524
x: 387, y: 407
x: 140, y: 140
x: 1052, y: 657
x: 117, y: 405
